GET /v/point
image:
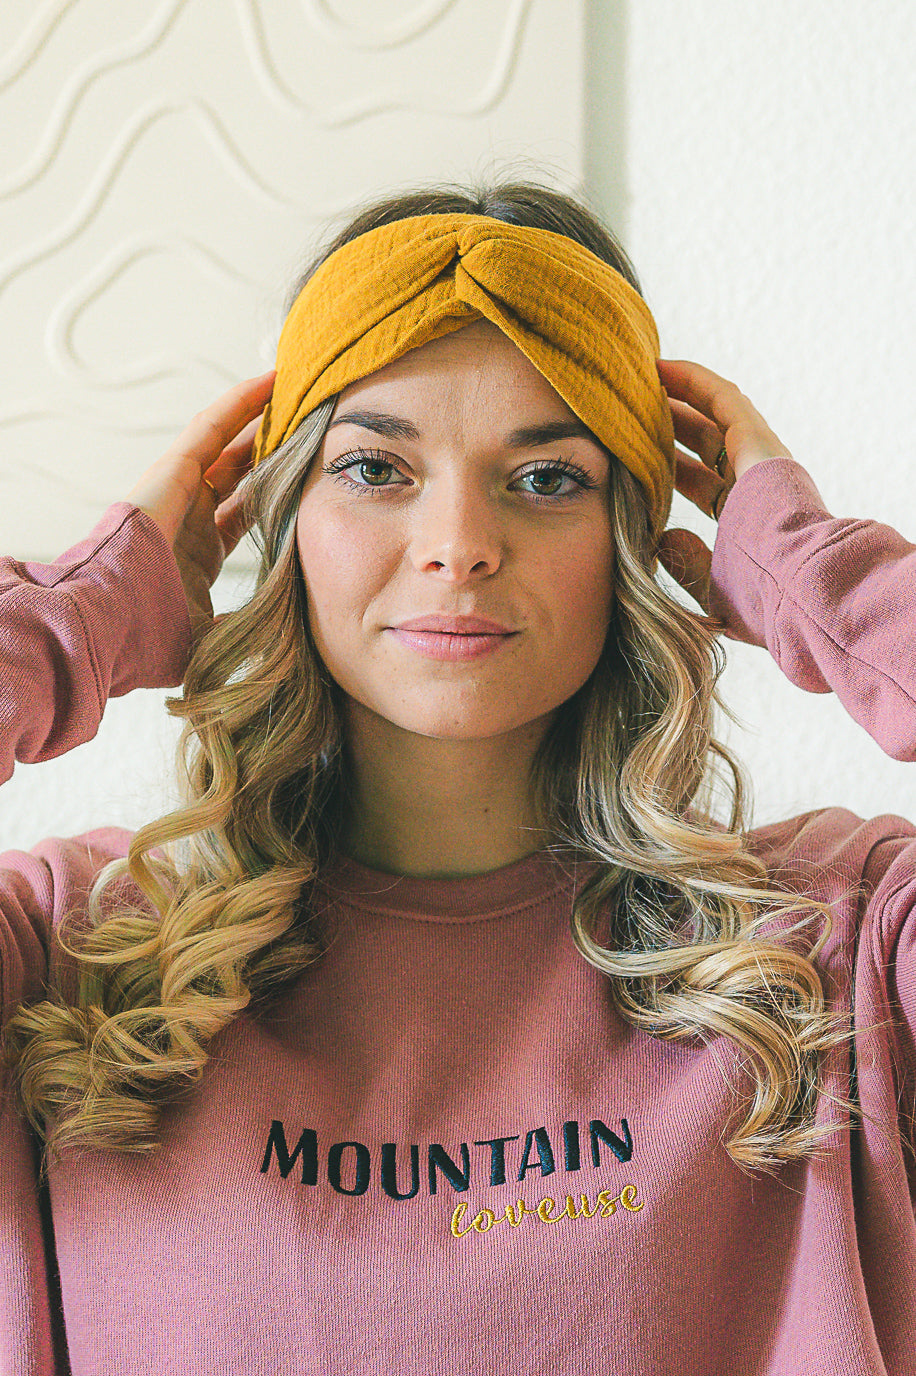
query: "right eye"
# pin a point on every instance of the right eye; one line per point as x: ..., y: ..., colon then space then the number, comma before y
x: 371, y: 465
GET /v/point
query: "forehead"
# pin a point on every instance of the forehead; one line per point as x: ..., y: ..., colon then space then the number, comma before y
x: 472, y: 368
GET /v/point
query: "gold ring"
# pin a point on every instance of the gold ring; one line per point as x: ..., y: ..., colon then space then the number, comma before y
x: 722, y: 454
x: 216, y: 497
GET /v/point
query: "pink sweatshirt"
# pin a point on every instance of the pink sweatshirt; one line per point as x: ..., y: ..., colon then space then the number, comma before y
x: 443, y: 1152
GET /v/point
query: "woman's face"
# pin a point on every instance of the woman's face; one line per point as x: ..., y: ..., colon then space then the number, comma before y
x: 426, y: 499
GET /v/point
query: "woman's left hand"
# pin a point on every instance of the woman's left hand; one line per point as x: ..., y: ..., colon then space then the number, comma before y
x: 708, y: 412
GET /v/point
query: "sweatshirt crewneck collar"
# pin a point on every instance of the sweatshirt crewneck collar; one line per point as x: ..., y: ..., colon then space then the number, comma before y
x: 534, y: 878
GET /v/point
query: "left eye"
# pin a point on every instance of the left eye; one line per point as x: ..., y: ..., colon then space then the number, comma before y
x: 548, y: 479
x: 369, y: 469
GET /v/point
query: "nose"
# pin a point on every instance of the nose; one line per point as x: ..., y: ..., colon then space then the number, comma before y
x: 456, y: 534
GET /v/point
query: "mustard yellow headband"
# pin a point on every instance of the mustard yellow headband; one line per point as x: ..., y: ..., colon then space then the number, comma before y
x: 577, y: 320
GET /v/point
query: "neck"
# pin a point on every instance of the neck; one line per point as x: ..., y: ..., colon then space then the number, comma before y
x: 439, y: 809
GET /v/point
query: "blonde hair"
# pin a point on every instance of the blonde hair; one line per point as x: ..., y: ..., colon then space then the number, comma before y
x: 675, y: 913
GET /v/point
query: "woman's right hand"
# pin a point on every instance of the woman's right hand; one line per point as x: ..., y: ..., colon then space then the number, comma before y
x: 216, y: 446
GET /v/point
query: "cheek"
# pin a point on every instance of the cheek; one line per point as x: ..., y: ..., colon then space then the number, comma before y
x: 594, y: 584
x: 580, y: 576
x: 323, y: 543
x: 344, y: 561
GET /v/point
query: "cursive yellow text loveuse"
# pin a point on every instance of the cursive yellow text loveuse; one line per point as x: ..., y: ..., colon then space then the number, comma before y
x: 605, y: 1206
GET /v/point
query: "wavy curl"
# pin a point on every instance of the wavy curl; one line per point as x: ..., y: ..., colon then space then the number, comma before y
x: 675, y: 913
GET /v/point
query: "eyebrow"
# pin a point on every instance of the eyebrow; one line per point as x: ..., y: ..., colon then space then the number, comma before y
x: 527, y: 437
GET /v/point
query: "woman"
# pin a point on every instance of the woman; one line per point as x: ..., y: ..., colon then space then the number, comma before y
x: 445, y: 1029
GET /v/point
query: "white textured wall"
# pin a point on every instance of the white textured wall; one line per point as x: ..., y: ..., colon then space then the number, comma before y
x: 758, y: 160
x: 166, y: 167
x: 163, y: 168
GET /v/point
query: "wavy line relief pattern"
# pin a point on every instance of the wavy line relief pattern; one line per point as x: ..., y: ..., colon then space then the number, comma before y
x: 321, y: 16
x: 77, y: 88
x: 63, y: 321
x: 65, y: 484
x: 88, y: 419
x: 113, y: 164
x: 490, y: 93
x: 32, y: 40
x: 66, y: 315
x: 147, y: 40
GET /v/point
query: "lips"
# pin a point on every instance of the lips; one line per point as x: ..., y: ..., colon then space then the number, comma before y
x: 455, y: 625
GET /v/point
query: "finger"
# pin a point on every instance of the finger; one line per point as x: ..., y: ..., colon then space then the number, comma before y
x: 746, y: 435
x: 231, y: 517
x: 232, y: 522
x: 689, y: 562
x: 171, y: 489
x: 695, y: 432
x: 234, y: 461
x: 709, y: 393
x: 215, y: 427
x: 696, y: 482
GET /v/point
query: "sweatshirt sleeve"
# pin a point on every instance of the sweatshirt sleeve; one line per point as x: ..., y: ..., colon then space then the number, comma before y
x: 109, y: 615
x: 832, y: 598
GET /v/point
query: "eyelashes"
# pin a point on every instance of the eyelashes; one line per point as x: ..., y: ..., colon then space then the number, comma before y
x: 376, y: 458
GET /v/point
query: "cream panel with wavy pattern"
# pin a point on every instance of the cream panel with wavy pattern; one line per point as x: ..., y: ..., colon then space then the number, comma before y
x: 164, y: 169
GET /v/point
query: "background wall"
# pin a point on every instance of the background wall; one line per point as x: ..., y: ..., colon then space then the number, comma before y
x: 758, y: 159
x: 164, y: 170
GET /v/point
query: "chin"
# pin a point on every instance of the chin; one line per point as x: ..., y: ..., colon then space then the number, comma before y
x: 467, y: 722
x: 443, y: 728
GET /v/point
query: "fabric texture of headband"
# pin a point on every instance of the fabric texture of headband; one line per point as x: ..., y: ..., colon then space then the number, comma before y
x: 572, y: 315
